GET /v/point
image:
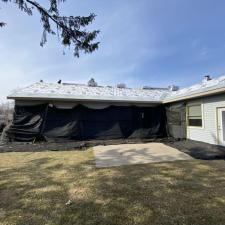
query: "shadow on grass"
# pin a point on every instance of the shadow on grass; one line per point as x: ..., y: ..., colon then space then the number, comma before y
x: 35, y: 190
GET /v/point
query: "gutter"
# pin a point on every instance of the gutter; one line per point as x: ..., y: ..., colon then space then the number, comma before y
x: 83, y: 99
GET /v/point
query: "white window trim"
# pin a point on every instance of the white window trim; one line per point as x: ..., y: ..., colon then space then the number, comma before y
x: 216, y: 122
x: 202, y: 111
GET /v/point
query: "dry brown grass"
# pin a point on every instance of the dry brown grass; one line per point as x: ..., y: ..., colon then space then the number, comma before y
x: 35, y: 187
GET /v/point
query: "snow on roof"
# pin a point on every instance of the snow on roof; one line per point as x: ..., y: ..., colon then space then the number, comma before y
x: 82, y: 92
x: 79, y: 92
x: 201, y: 89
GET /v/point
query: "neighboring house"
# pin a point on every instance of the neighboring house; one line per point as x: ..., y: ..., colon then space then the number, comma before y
x: 196, y: 113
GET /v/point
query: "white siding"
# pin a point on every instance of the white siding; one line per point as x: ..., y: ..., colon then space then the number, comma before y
x: 208, y: 133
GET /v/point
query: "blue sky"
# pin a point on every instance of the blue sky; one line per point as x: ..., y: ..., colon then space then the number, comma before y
x: 143, y: 42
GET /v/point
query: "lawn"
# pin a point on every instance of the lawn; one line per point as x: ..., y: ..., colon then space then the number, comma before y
x: 35, y: 187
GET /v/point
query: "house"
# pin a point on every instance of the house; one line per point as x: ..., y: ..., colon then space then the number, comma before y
x: 63, y: 111
x: 204, y: 110
x: 83, y: 112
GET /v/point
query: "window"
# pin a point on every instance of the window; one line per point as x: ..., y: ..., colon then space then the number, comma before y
x: 194, y: 115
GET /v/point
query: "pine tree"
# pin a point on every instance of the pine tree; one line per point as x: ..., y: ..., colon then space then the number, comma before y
x: 71, y: 29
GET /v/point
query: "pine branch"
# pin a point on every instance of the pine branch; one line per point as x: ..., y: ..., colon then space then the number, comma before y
x: 70, y: 28
x: 2, y: 24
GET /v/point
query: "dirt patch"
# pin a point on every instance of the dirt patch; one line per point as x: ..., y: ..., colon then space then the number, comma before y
x: 197, y: 150
x: 68, y: 145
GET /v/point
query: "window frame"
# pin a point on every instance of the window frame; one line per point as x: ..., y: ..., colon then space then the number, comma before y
x: 187, y: 113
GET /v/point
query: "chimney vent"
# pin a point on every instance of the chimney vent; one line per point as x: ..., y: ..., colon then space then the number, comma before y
x: 121, y: 85
x: 92, y: 83
x: 206, y: 78
x: 173, y: 88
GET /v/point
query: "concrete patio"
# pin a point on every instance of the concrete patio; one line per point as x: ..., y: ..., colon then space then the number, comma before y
x: 128, y: 154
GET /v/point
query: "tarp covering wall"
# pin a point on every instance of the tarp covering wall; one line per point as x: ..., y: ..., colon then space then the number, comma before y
x: 63, y: 124
x: 82, y: 123
x: 27, y: 123
x: 176, y: 120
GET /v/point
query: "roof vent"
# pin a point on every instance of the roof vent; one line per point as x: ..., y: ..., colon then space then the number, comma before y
x: 122, y: 85
x: 206, y: 79
x: 92, y: 83
x: 146, y: 88
x: 173, y: 88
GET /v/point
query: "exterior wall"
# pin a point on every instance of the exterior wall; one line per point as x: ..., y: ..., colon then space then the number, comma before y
x: 208, y: 132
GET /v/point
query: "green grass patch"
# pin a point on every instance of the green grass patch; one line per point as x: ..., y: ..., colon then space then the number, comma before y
x: 35, y: 187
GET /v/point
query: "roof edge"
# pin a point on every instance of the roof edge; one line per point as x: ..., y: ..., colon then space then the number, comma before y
x: 79, y: 99
x: 195, y: 95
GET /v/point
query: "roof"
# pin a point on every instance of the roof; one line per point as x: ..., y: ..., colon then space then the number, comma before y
x: 81, y: 92
x: 205, y: 88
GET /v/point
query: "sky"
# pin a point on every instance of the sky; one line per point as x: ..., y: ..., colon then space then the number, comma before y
x: 142, y: 42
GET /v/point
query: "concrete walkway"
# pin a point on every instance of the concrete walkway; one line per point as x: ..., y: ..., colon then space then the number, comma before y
x: 127, y: 154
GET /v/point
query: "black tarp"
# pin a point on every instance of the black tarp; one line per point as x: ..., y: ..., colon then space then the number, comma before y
x: 176, y: 120
x: 63, y: 124
x: 114, y: 122
x: 27, y: 123
x: 82, y: 123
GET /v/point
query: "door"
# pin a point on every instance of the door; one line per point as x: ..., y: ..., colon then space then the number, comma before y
x: 221, y: 126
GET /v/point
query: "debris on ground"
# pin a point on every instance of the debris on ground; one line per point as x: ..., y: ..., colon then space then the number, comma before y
x: 199, y: 150
x: 69, y: 202
x: 196, y: 149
